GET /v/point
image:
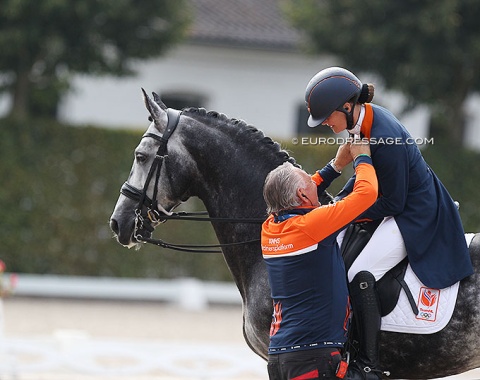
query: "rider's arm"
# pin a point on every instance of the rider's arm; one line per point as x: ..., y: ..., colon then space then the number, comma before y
x: 347, y: 189
x: 324, y: 177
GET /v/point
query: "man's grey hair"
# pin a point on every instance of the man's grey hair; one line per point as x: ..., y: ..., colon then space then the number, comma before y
x: 280, y: 188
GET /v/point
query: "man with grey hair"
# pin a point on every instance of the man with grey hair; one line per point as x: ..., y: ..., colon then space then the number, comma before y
x: 306, y: 271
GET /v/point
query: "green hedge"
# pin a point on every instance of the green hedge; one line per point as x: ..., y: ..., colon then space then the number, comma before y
x: 60, y: 185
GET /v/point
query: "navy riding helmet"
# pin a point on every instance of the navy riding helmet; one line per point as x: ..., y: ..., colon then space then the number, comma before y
x: 328, y: 91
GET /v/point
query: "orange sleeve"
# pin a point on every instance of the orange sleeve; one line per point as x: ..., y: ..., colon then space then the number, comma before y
x: 327, y: 219
x: 317, y: 178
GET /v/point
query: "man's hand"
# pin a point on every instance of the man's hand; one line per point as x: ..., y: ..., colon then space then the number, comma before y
x: 359, y: 146
x: 343, y: 157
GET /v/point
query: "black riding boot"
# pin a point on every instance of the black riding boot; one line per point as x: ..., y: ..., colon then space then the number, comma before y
x: 366, y: 313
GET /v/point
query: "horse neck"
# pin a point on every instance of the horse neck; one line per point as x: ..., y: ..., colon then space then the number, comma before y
x: 230, y: 181
x: 229, y: 177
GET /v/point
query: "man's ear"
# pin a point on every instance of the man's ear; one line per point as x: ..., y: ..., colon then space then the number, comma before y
x: 301, y: 194
x: 347, y: 107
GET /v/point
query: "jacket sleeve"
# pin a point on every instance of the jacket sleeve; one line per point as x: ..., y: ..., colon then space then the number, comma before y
x: 325, y: 220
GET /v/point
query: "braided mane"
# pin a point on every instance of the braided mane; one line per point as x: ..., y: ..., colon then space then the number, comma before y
x: 241, y: 131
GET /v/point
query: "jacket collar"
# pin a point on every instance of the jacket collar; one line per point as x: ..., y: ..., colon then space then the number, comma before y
x: 283, y: 215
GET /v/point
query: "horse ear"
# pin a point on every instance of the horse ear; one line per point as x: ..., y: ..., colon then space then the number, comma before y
x: 159, y: 115
x: 157, y: 100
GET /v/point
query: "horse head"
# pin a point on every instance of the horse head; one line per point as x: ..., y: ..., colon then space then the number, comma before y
x: 151, y: 189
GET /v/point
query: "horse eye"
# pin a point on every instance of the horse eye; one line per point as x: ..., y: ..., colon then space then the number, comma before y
x: 140, y: 158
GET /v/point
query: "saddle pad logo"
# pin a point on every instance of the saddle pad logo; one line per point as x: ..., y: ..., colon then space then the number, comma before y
x: 428, y: 304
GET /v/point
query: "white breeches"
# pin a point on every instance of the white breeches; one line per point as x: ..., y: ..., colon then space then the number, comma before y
x: 384, y: 250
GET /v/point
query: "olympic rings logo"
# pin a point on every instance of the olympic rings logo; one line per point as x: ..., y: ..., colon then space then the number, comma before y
x: 425, y: 315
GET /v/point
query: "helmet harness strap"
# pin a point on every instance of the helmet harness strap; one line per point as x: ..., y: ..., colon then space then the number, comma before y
x: 348, y: 114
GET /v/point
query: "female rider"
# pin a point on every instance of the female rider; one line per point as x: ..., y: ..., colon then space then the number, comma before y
x: 418, y: 217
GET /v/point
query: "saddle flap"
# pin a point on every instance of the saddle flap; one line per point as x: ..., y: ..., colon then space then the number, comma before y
x: 389, y: 287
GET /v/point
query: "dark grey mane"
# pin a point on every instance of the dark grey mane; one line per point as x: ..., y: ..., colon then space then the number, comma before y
x: 242, y: 132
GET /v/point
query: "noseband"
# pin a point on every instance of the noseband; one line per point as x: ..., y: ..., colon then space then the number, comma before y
x: 156, y: 214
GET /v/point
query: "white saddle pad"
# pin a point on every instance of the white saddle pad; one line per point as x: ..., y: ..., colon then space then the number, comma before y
x: 435, y: 306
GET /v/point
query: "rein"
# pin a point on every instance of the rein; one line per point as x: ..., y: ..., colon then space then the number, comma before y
x: 157, y: 215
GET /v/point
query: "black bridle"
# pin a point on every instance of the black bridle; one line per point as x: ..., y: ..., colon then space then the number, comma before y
x: 148, y: 214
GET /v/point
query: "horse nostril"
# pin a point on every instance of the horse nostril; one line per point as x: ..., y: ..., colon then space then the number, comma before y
x: 114, y: 226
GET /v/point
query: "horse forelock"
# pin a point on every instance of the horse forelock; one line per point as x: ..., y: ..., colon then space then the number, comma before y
x: 240, y: 131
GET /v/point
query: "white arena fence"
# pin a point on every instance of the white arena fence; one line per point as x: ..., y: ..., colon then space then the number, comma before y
x: 188, y: 293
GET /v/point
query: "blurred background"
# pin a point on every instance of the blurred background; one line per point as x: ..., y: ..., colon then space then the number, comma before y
x: 71, y: 115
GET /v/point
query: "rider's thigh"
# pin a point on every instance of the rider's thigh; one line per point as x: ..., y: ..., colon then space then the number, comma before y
x: 385, y: 249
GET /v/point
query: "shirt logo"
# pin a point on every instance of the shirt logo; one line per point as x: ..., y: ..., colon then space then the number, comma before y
x: 276, y: 318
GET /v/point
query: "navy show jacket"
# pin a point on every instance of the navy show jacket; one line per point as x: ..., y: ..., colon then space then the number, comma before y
x: 410, y: 191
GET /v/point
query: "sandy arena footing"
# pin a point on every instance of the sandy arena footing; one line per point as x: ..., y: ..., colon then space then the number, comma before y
x: 58, y: 339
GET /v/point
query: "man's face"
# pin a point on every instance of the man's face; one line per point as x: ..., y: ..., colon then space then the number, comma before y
x: 308, y: 192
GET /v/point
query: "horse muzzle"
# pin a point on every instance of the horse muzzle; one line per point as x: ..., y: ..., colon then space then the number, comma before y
x: 127, y: 234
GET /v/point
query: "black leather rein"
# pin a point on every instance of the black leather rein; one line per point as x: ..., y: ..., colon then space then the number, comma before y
x: 148, y: 208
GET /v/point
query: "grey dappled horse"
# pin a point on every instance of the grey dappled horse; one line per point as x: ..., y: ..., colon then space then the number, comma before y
x: 224, y: 163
